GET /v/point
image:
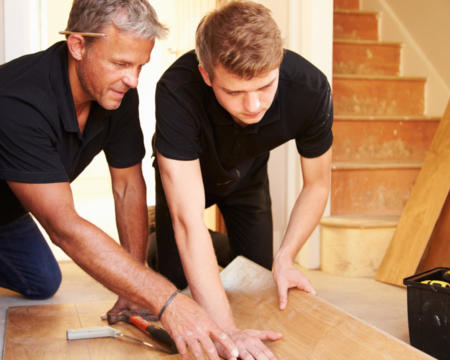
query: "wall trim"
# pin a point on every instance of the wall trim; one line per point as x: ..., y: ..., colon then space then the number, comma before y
x: 309, y: 33
x: 22, y: 27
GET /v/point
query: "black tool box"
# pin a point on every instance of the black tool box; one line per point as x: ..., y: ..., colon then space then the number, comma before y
x: 429, y: 313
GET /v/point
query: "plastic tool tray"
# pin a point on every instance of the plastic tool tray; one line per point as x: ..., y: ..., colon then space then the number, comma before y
x: 429, y: 313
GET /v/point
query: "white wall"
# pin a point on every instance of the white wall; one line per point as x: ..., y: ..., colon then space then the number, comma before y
x: 307, y: 28
x: 21, y: 27
x: 422, y: 27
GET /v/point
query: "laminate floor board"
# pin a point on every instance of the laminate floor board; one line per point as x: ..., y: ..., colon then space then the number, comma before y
x: 377, y: 304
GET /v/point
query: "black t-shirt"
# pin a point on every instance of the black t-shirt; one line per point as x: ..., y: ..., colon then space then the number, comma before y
x: 191, y: 124
x: 40, y: 140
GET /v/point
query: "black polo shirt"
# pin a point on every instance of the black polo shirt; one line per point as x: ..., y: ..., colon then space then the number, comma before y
x: 40, y: 140
x: 191, y: 124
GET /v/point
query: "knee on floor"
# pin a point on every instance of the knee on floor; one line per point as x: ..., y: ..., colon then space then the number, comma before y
x: 45, y: 288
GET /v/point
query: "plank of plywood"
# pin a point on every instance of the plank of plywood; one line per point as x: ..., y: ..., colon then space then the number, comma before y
x: 438, y: 251
x: 311, y: 327
x: 421, y: 212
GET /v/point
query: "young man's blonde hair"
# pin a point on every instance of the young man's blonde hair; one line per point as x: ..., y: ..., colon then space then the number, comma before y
x: 241, y: 36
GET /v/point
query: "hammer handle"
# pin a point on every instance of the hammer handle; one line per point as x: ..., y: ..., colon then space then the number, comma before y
x: 155, y: 332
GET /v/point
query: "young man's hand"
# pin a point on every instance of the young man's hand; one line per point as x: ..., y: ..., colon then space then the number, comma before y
x: 250, y: 343
x: 287, y: 276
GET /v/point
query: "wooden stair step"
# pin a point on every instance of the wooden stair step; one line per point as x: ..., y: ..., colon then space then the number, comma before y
x: 356, y: 25
x: 375, y: 188
x: 393, y: 139
x: 378, y: 95
x: 361, y: 221
x: 366, y: 57
x: 346, y: 4
x: 353, y: 245
x: 374, y: 165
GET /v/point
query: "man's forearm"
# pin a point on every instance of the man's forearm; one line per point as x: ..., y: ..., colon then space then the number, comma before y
x: 130, y: 200
x: 309, y: 205
x: 202, y: 272
x: 132, y: 221
x: 110, y: 264
x: 304, y: 217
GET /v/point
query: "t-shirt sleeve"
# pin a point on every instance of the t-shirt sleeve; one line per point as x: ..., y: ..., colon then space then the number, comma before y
x: 176, y: 135
x: 27, y: 145
x: 317, y: 137
x: 124, y: 146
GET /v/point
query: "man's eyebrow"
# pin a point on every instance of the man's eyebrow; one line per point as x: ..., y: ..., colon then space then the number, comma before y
x: 260, y: 88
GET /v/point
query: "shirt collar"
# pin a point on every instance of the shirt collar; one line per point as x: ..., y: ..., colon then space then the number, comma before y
x: 59, y: 79
x: 64, y: 99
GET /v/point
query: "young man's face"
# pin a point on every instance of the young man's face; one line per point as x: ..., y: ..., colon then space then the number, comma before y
x: 111, y: 66
x: 247, y: 100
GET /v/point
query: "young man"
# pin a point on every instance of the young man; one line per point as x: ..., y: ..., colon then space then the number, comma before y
x: 59, y: 108
x: 219, y: 112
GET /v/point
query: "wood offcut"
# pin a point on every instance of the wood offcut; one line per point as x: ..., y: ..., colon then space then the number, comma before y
x: 421, y: 213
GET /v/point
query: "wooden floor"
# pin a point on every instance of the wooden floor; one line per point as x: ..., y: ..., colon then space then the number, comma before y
x: 378, y: 304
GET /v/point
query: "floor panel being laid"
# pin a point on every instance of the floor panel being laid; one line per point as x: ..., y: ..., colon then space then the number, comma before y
x: 312, y: 328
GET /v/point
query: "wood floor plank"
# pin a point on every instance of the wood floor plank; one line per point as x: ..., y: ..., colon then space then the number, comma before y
x: 421, y: 212
x: 312, y: 328
x: 38, y: 332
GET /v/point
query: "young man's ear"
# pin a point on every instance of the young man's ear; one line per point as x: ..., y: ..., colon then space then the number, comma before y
x: 205, y: 75
x: 76, y: 44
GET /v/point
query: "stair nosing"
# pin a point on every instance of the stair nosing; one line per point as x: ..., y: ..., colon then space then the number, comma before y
x: 349, y: 165
x: 378, y: 77
x: 367, y: 42
x: 386, y: 118
x: 360, y: 221
x: 356, y: 12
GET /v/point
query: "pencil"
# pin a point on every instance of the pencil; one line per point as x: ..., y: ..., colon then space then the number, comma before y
x: 82, y: 33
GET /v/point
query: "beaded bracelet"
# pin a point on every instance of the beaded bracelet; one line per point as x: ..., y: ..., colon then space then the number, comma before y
x: 169, y: 300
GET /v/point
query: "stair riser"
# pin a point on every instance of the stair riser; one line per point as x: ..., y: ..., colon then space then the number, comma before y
x: 366, y: 59
x: 355, y: 26
x: 346, y: 4
x: 381, y: 191
x: 377, y: 97
x: 371, y: 140
x: 353, y: 252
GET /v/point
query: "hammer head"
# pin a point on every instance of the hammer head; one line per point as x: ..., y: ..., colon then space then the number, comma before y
x: 125, y: 315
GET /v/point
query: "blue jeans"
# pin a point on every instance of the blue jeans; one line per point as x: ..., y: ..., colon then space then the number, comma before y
x: 27, y: 264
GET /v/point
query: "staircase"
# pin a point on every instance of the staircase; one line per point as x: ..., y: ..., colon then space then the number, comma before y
x: 381, y: 136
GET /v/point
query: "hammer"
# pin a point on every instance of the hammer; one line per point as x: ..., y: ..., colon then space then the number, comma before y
x: 144, y: 321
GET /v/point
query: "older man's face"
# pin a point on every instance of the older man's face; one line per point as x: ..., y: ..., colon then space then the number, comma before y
x: 111, y: 66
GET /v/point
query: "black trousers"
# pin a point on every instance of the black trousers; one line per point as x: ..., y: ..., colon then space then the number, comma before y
x: 248, y: 219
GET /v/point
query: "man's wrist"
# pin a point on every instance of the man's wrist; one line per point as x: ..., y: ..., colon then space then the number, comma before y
x: 285, y: 256
x: 167, y: 303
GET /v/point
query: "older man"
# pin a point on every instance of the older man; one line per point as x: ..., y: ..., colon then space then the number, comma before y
x: 58, y: 109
